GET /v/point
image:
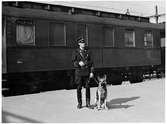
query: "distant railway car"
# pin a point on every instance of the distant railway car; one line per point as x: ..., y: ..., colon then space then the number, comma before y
x: 38, y: 40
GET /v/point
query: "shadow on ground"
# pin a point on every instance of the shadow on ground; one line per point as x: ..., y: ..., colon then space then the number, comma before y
x: 117, y: 103
x: 6, y: 115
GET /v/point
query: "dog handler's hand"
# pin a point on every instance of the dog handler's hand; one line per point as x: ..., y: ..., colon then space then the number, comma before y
x: 91, y: 75
x: 81, y: 63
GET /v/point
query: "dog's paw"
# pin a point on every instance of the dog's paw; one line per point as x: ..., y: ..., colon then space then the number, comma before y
x: 106, y: 108
x: 98, y: 109
x: 95, y: 105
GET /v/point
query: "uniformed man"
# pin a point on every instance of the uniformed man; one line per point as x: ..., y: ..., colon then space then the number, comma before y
x: 83, y: 71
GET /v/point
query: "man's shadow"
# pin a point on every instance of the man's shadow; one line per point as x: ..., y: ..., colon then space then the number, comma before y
x: 117, y: 103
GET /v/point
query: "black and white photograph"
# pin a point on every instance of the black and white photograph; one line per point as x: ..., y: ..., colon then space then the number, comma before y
x: 83, y: 61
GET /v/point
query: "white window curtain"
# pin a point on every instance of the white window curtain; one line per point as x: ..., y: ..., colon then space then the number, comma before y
x: 25, y: 35
x: 130, y: 39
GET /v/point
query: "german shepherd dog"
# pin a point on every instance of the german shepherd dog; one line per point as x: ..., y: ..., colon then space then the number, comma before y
x: 101, y: 93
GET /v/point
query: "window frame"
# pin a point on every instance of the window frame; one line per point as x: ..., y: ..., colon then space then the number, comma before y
x: 152, y: 39
x: 64, y: 35
x: 87, y: 34
x: 113, y: 37
x: 134, y: 38
x: 24, y: 23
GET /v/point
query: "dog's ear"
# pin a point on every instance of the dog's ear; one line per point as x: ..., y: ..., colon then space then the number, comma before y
x: 105, y: 77
x: 98, y: 78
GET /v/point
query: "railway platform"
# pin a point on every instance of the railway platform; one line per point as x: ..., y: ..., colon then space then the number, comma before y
x: 138, y: 102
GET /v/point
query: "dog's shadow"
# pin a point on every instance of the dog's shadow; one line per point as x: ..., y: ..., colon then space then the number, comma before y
x: 117, y: 103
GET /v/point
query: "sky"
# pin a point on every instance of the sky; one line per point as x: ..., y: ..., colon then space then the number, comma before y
x: 138, y: 8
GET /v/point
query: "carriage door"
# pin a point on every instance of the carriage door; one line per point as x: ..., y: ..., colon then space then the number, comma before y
x: 82, y: 31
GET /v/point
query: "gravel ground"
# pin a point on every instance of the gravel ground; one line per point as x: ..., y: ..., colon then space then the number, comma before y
x: 139, y: 102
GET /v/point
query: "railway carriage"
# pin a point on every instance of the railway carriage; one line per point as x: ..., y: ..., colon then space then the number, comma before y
x: 38, y: 40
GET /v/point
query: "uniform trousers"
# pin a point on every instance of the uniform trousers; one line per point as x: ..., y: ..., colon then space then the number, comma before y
x: 83, y: 81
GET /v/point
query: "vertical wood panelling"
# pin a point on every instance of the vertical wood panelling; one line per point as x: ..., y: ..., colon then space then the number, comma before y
x: 139, y: 38
x: 71, y: 35
x: 119, y: 37
x: 156, y: 38
x: 11, y: 32
x: 41, y: 33
x: 95, y: 35
x: 130, y: 57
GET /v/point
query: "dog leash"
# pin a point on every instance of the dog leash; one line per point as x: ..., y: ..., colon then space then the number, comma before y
x: 94, y: 80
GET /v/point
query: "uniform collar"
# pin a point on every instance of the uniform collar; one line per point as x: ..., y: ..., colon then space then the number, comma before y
x: 82, y: 49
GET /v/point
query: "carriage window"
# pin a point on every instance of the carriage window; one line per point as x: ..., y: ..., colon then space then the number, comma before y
x: 129, y: 38
x: 148, y: 39
x: 95, y: 35
x: 57, y: 34
x: 25, y: 34
x: 109, y: 37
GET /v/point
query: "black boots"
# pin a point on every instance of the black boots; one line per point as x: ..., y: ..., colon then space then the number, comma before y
x: 79, y: 106
x: 87, y: 102
x: 88, y: 105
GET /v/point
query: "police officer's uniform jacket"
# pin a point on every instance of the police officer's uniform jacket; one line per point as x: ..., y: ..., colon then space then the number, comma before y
x: 85, y: 56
